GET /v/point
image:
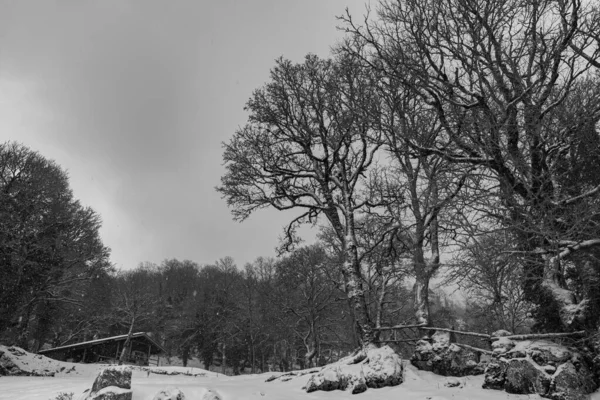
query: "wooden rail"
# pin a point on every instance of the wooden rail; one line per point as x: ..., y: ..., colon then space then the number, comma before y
x: 484, y: 335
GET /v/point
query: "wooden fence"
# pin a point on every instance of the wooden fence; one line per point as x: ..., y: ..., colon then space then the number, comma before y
x: 405, y: 338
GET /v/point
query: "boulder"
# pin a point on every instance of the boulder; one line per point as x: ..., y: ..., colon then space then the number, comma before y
x: 495, y: 374
x: 370, y: 368
x: 113, y: 376
x: 383, y: 368
x: 572, y: 383
x: 524, y: 377
x: 112, y: 383
x: 443, y: 357
x: 541, y: 367
x: 170, y: 393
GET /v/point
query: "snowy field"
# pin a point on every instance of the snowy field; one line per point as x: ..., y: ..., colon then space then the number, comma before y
x: 76, y: 378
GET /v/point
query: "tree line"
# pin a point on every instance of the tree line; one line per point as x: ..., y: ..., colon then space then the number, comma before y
x: 59, y: 287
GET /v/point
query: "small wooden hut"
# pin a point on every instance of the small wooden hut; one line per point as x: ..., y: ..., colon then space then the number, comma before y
x: 142, y: 350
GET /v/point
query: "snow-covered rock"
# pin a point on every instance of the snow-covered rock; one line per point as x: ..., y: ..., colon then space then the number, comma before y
x: 17, y: 362
x: 112, y: 383
x: 382, y: 368
x: 211, y: 395
x: 570, y: 382
x: 524, y: 377
x: 113, y: 376
x: 502, y: 345
x: 112, y: 393
x: 541, y: 367
x: 452, y: 382
x: 170, y: 393
x: 443, y: 357
x: 372, y: 368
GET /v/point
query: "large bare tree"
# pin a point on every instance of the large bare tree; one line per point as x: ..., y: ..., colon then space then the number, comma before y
x: 308, y: 146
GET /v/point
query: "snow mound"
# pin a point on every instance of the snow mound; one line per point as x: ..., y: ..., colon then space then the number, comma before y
x: 16, y: 361
x: 417, y: 385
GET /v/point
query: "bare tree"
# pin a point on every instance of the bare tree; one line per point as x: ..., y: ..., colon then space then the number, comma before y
x: 307, y: 298
x: 500, y: 77
x: 491, y: 275
x: 308, y: 145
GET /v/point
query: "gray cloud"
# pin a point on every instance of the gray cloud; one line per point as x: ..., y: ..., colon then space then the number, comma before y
x: 134, y: 99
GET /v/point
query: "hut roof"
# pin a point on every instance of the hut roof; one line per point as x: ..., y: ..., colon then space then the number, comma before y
x: 156, y: 348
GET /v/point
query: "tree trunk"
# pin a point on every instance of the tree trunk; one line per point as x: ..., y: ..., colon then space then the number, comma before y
x: 354, y: 282
x: 421, y: 299
x: 185, y: 355
x: 23, y: 338
x: 223, y: 359
x: 127, y: 342
x: 253, y: 355
x: 351, y: 270
x: 571, y: 312
x: 311, y: 349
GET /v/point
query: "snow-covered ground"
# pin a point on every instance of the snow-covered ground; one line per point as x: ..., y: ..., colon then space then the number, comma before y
x: 147, y: 382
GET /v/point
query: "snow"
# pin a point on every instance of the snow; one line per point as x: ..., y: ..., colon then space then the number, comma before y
x: 556, y: 350
x: 146, y: 383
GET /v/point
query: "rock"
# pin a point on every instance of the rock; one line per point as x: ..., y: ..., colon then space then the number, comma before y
x: 502, y: 345
x: 7, y: 366
x: 544, y: 368
x: 452, y: 383
x: 354, y: 378
x: 116, y: 381
x: 495, y: 375
x: 445, y: 358
x: 112, y: 393
x: 170, y: 393
x: 113, y: 376
x: 440, y: 340
x: 211, y: 395
x: 326, y: 380
x: 383, y: 368
x: 569, y: 383
x: 16, y: 351
x: 523, y: 377
x: 377, y: 367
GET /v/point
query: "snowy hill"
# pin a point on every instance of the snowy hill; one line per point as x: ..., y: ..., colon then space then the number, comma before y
x: 195, y: 382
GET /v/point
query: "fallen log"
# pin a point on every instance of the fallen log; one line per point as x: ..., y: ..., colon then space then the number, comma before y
x: 387, y: 328
x: 476, y: 334
x: 399, y: 341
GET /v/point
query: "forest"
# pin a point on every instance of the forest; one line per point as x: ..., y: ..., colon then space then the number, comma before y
x: 447, y: 154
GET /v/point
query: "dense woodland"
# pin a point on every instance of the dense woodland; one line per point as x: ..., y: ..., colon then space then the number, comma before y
x: 453, y: 143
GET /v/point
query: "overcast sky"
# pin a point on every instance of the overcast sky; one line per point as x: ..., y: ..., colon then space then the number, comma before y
x: 133, y: 99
